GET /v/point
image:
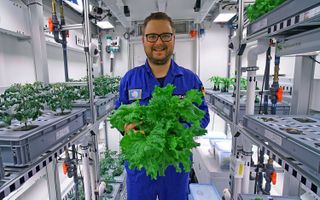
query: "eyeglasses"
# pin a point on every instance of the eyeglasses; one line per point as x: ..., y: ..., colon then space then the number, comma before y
x: 153, y: 37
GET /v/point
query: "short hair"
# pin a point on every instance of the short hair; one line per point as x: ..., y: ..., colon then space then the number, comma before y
x: 157, y: 16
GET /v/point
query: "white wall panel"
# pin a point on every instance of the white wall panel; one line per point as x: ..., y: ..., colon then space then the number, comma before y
x: 213, y: 54
x: 185, y: 52
x: 76, y: 64
x: 16, y: 61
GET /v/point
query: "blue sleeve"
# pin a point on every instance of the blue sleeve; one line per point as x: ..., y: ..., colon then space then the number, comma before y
x: 206, y: 119
x: 123, y: 93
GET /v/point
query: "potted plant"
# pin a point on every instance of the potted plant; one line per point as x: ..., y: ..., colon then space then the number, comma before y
x: 114, y: 84
x: 106, y: 84
x: 101, y: 84
x: 225, y: 82
x: 118, y: 170
x: 24, y: 102
x: 5, y: 117
x: 216, y: 80
x: 243, y: 84
x: 60, y: 97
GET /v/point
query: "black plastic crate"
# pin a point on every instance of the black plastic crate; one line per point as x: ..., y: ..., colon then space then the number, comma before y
x: 19, y: 148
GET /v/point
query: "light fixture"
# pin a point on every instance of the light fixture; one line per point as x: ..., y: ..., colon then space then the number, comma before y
x: 223, y: 17
x: 105, y: 25
x: 225, y: 13
x: 75, y: 4
x: 197, y: 6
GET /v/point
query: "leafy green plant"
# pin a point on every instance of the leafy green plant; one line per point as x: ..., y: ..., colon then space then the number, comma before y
x: 60, y: 97
x: 106, y: 84
x: 107, y: 162
x: 216, y: 80
x: 117, y: 171
x: 22, y: 102
x: 5, y: 117
x: 261, y: 7
x: 161, y: 137
x: 225, y: 84
x: 103, y: 86
x: 243, y: 84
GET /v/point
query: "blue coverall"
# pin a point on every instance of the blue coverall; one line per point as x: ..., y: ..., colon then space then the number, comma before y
x: 139, y: 83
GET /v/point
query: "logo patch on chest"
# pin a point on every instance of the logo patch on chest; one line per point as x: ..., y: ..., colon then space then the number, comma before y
x: 135, y: 94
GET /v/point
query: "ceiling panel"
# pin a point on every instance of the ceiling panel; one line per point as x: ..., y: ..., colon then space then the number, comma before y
x: 176, y: 9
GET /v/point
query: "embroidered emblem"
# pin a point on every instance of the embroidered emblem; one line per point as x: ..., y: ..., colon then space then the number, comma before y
x: 135, y: 94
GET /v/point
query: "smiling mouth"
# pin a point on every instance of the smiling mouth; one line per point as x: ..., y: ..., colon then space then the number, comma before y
x: 159, y: 49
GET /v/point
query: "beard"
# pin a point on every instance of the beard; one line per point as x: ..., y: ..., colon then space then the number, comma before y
x: 158, y: 61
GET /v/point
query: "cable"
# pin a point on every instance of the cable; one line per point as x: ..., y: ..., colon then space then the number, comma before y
x: 312, y: 58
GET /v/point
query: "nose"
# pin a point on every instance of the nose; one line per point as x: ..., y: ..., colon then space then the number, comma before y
x: 159, y: 41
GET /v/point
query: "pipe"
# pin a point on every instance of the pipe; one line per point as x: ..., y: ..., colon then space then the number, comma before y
x: 253, y: 53
x: 238, y: 63
x: 275, y: 85
x: 229, y: 55
x: 87, y: 40
x: 84, y: 148
x: 64, y: 42
x: 75, y: 173
x: 266, y: 81
x: 100, y: 48
x: 246, y: 158
x: 236, y: 182
x: 198, y: 50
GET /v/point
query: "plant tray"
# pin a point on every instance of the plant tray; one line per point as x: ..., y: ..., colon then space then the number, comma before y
x: 223, y: 102
x: 114, y: 195
x: 103, y: 106
x: 20, y: 148
x: 296, y: 135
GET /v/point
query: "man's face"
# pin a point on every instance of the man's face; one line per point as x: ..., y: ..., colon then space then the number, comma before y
x: 159, y: 49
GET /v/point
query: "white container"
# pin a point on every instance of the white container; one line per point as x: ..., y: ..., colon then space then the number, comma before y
x: 222, y: 152
x: 204, y: 192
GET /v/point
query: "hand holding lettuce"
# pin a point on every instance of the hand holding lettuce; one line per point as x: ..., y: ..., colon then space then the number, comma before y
x: 161, y: 139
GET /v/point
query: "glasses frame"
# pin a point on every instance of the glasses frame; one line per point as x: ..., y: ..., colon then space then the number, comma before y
x: 158, y: 35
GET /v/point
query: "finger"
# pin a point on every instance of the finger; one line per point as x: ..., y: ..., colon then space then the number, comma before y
x: 129, y: 127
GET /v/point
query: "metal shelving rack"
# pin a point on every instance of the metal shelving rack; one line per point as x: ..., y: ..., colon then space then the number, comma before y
x: 290, y: 18
x: 296, y: 27
x: 18, y: 176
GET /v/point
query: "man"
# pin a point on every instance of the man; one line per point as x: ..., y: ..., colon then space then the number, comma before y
x: 159, y: 70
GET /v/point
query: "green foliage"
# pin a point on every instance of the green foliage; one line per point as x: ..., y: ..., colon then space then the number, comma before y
x: 243, y: 84
x: 110, y: 166
x: 22, y: 102
x: 5, y: 116
x: 215, y: 80
x: 109, y: 189
x: 103, y: 86
x: 117, y: 171
x: 60, y: 97
x: 225, y: 84
x: 161, y: 138
x: 261, y: 7
x: 106, y: 84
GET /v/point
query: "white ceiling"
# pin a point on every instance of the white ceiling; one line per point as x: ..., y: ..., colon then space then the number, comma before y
x: 176, y: 9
